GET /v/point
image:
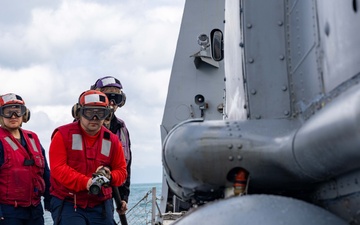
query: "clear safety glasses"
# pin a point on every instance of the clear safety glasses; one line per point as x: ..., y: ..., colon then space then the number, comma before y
x: 100, y: 113
x: 115, y: 98
x: 8, y: 111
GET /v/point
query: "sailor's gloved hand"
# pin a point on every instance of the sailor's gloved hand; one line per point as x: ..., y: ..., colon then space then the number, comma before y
x: 105, y: 171
x: 123, y: 208
x: 88, y: 184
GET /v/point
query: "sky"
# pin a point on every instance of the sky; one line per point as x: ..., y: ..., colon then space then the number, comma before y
x: 52, y: 51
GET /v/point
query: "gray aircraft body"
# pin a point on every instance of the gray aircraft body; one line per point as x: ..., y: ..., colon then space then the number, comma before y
x: 262, y: 118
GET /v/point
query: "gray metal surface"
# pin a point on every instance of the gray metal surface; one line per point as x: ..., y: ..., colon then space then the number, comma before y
x: 260, y: 209
x: 265, y: 59
x: 341, y: 195
x: 187, y: 81
x: 303, y: 53
x: 339, y: 24
x: 291, y: 114
x: 188, y: 78
x: 289, y: 156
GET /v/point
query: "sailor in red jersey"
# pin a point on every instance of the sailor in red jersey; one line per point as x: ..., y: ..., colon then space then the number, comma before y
x: 24, y: 173
x: 86, y: 160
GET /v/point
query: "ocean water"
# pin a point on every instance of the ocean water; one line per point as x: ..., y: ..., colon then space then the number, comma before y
x: 137, y: 193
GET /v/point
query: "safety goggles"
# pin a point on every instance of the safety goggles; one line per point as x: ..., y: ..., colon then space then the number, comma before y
x: 100, y: 113
x: 8, y: 111
x: 115, y: 98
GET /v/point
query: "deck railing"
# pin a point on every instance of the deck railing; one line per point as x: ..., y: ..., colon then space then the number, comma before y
x: 145, y: 211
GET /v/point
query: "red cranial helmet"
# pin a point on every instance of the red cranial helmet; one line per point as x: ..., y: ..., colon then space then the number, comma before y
x: 93, y: 98
x: 11, y: 98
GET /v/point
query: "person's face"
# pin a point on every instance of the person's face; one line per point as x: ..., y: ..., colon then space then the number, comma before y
x: 92, y: 118
x: 13, y: 123
x: 109, y: 90
x: 91, y: 126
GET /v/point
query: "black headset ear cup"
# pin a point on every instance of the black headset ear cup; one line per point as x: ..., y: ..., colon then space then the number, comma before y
x: 123, y: 100
x: 26, y: 116
x: 75, y: 111
x: 93, y: 87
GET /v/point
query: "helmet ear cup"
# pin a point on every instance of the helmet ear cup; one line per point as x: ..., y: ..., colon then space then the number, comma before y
x: 123, y: 100
x: 93, y: 87
x: 26, y: 116
x: 75, y: 111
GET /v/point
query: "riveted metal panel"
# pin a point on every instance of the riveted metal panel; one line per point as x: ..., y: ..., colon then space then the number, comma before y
x: 339, y: 26
x: 265, y: 59
x: 303, y: 49
x: 189, y: 79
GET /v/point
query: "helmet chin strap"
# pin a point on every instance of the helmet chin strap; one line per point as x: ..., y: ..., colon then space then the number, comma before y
x: 107, y: 121
x: 107, y: 124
